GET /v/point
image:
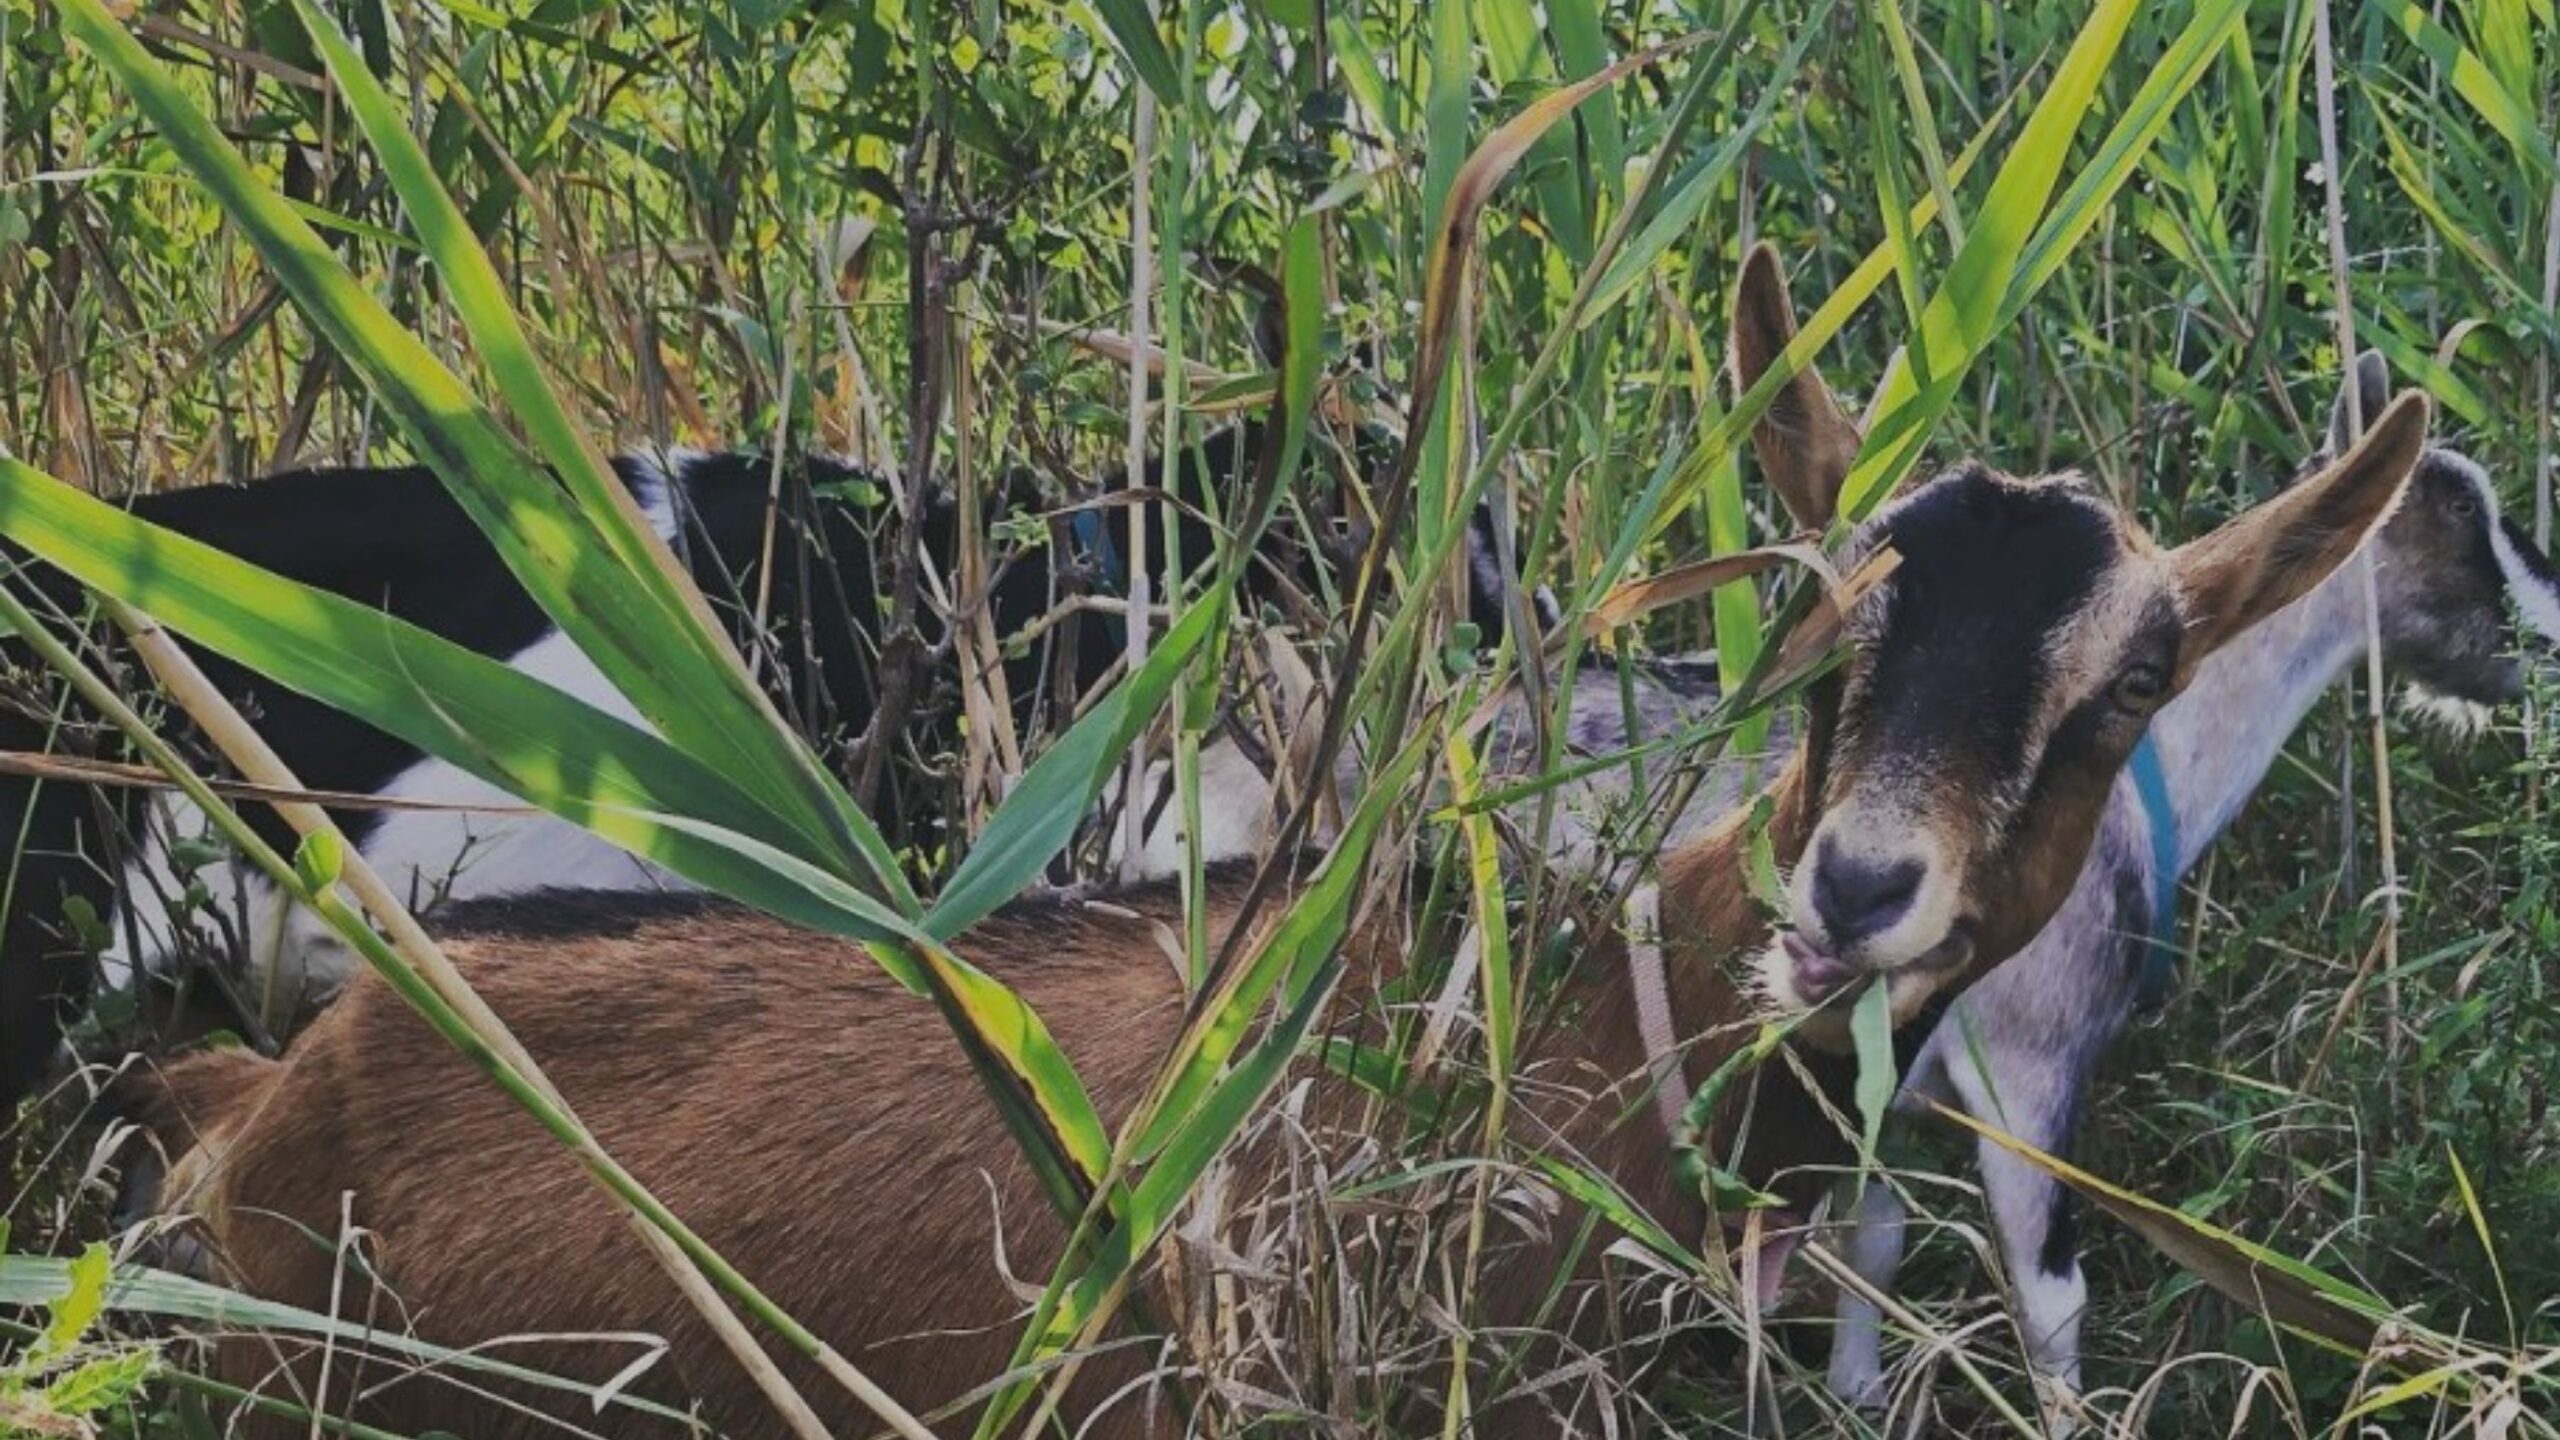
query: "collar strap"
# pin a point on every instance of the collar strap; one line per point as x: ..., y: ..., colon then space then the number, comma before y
x: 1092, y: 531
x: 1662, y: 1053
x: 2151, y: 784
x: 1091, y: 528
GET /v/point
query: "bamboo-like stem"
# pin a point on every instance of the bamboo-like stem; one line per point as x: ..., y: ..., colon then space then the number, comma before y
x: 421, y: 973
x: 1139, y: 588
x: 2325, y: 81
x: 1192, y: 710
x: 1484, y: 867
x: 2543, y: 457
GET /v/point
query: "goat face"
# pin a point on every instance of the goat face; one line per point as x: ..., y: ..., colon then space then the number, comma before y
x: 1996, y: 682
x: 1994, y: 685
x: 2442, y: 589
x: 2444, y: 566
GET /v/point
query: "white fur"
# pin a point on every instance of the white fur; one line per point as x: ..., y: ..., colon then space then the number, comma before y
x: 1875, y: 1251
x: 2534, y: 600
x: 655, y: 476
x: 423, y: 855
x: 1235, y: 810
x: 2452, y: 717
x: 427, y: 855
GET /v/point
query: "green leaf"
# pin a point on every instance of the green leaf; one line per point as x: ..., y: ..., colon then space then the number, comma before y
x: 27, y: 1280
x: 1661, y: 503
x: 1679, y: 209
x: 2480, y: 1227
x: 1601, y: 1194
x: 1581, y: 41
x: 1314, y: 923
x: 1491, y: 911
x: 2164, y: 87
x: 1203, y: 1102
x: 2479, y: 86
x: 620, y: 620
x: 579, y: 763
x: 713, y: 695
x: 319, y: 859
x: 83, y: 1299
x: 1051, y: 1089
x: 2262, y: 1281
x: 1042, y: 814
x: 1871, y: 1030
x: 100, y: 1384
x: 1134, y: 32
x: 1963, y: 312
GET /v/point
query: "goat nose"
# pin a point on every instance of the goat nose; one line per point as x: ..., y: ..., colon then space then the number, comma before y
x: 1857, y: 896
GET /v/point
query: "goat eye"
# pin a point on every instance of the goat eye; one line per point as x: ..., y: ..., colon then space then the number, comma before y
x: 2141, y: 688
x: 2463, y: 507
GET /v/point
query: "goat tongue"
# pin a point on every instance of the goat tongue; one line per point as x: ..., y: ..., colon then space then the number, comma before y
x: 1819, y: 973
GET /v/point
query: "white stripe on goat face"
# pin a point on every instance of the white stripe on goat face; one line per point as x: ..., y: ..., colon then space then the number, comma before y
x: 2528, y: 573
x: 2445, y: 564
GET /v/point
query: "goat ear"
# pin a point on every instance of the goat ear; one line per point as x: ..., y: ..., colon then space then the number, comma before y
x: 2370, y: 383
x: 2263, y: 560
x: 1804, y: 441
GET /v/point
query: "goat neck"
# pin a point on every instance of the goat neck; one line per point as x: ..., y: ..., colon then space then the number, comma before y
x: 2218, y: 740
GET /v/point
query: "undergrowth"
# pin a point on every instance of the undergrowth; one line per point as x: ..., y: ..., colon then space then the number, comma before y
x: 904, y: 233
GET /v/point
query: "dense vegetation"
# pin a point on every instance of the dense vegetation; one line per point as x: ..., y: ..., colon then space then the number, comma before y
x: 912, y: 234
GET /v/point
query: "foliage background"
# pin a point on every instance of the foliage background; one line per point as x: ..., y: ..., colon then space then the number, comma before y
x: 762, y: 220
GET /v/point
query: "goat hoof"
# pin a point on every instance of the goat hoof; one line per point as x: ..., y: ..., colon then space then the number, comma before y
x: 2058, y: 1400
x: 1863, y: 1391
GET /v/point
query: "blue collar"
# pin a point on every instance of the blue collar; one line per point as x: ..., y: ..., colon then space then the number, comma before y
x: 2151, y: 783
x: 1092, y: 531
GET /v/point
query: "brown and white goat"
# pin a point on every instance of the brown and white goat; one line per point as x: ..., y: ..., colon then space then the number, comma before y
x: 813, y: 1121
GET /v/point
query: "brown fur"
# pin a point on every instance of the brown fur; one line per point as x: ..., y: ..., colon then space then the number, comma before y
x: 2276, y: 553
x: 814, y: 1122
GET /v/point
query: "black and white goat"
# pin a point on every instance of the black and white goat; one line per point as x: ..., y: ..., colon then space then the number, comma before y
x: 2019, y: 1049
x: 787, y: 558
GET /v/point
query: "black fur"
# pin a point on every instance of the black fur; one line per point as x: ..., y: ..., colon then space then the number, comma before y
x: 394, y: 537
x: 2060, y: 1253
x: 1959, y: 616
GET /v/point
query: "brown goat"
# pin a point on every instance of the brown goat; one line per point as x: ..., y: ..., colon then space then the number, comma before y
x: 815, y: 1123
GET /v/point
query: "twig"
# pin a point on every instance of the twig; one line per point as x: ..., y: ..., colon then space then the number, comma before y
x: 83, y: 770
x: 902, y: 648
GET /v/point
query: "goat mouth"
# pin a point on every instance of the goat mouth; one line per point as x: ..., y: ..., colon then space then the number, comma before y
x: 1952, y: 953
x: 1821, y: 975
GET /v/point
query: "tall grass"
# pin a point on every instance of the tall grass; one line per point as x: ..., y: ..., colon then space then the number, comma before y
x: 236, y: 237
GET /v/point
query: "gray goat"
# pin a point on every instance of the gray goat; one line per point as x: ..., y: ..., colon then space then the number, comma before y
x: 2019, y: 1049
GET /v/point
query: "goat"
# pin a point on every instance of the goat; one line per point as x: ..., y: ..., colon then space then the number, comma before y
x: 2018, y: 1051
x: 789, y: 565
x: 811, y: 1119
